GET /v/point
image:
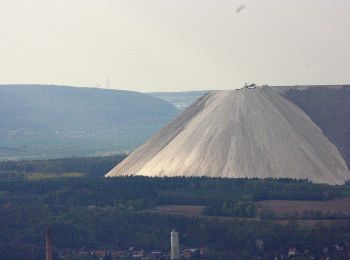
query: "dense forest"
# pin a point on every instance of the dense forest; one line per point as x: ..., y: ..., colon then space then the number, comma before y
x: 91, y: 211
x: 85, y: 166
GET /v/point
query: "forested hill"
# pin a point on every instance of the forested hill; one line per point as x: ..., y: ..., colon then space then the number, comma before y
x: 54, y: 121
x: 329, y: 108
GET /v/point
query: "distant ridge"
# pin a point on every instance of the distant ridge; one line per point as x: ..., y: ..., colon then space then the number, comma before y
x: 239, y: 133
x: 181, y: 99
x: 48, y: 121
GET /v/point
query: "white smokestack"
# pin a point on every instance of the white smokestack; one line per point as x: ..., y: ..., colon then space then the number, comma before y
x: 175, y: 252
x: 48, y: 244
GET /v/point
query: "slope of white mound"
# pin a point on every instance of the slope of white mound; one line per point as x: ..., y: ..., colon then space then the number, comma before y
x: 239, y: 133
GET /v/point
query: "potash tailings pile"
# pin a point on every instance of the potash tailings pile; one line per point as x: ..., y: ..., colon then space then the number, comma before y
x: 249, y: 132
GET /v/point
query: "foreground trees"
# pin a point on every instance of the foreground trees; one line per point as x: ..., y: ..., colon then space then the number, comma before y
x: 97, y: 212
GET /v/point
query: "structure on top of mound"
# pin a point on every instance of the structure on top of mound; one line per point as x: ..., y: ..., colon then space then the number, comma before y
x: 239, y: 133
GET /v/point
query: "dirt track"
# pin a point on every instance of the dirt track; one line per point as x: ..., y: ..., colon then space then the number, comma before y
x: 183, y: 210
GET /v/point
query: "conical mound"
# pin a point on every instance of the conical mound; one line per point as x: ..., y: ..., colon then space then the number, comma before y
x: 239, y: 133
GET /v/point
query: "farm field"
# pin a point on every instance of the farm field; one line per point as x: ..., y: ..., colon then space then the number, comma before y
x: 313, y: 222
x: 292, y: 206
x: 279, y: 206
x: 184, y: 210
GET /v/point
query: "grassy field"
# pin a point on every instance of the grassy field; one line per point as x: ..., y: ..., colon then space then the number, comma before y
x: 42, y: 175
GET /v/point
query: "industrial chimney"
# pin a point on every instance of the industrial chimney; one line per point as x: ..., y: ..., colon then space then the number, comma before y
x: 175, y: 252
x: 48, y: 244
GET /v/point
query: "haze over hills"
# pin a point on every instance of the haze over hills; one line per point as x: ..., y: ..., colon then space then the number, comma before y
x: 239, y: 133
x: 39, y: 121
x: 179, y: 99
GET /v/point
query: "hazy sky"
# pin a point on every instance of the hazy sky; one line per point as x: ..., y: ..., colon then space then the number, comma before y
x: 173, y: 45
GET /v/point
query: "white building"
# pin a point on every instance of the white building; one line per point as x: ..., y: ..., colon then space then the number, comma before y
x: 175, y: 250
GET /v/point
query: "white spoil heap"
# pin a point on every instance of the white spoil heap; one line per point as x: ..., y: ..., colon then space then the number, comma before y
x: 239, y: 133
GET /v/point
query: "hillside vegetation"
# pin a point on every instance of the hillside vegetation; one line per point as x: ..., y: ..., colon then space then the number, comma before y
x: 329, y: 108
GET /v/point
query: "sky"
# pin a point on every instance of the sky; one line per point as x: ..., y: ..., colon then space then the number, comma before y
x: 174, y: 45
